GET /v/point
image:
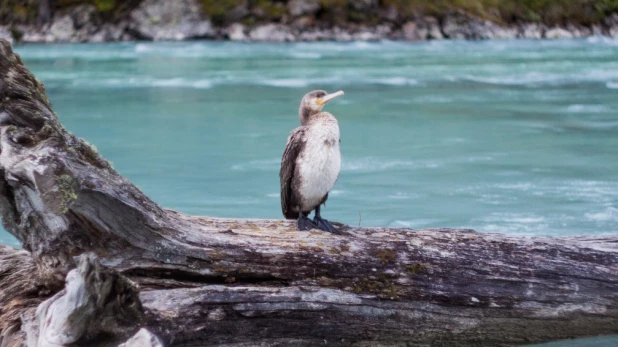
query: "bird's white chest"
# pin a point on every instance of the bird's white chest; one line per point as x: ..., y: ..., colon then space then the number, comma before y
x: 319, y: 164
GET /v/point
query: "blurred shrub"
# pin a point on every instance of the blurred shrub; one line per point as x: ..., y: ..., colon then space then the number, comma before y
x: 20, y: 11
x: 339, y: 12
x: 218, y: 10
x: 26, y: 11
x: 268, y: 10
x: 551, y: 12
x: 105, y: 5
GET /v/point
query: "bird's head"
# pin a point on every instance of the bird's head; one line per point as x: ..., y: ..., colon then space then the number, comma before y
x: 313, y: 102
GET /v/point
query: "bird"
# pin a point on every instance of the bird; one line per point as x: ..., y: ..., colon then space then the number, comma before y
x: 311, y: 162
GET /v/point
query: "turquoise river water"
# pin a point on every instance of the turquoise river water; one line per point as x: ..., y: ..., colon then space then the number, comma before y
x: 517, y: 137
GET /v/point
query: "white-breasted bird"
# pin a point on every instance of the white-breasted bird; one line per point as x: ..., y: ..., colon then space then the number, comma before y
x: 311, y: 162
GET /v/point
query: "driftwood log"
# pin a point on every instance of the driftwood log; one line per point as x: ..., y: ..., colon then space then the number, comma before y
x: 103, y: 265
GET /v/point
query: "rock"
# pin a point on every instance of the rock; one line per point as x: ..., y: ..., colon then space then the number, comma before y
x: 613, y: 30
x: 297, y: 8
x: 86, y: 22
x: 612, y: 25
x: 410, y: 32
x: 316, y: 35
x: 366, y: 36
x: 372, y: 34
x: 612, y: 20
x: 390, y: 13
x: 109, y: 33
x: 422, y: 32
x: 383, y: 30
x: 531, y: 31
x: 75, y: 24
x: 33, y: 35
x: 453, y: 27
x: 304, y: 22
x: 597, y: 30
x: 558, y: 33
x: 169, y: 20
x: 99, y: 37
x: 504, y: 33
x: 271, y: 32
x: 431, y: 29
x: 339, y: 34
x: 62, y: 29
x: 236, y: 32
x: 83, y: 15
x: 6, y: 34
x: 577, y: 31
x: 461, y: 26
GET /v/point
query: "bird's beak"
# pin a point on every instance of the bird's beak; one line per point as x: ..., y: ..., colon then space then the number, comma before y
x: 323, y: 100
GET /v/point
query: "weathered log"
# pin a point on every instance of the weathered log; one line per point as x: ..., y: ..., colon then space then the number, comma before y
x: 210, y: 281
x: 96, y: 305
x: 20, y: 290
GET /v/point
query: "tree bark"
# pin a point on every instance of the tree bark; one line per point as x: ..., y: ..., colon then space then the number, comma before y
x: 130, y: 264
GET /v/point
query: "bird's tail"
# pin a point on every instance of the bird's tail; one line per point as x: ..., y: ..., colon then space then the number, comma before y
x: 290, y: 214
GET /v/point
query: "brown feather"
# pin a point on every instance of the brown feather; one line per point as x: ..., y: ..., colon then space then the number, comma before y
x: 289, y: 200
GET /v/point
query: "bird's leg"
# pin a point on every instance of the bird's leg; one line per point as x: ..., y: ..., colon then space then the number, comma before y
x: 323, y: 224
x: 304, y: 223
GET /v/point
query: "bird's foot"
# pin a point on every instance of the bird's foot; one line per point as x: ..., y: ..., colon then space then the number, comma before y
x: 325, y: 225
x: 305, y: 223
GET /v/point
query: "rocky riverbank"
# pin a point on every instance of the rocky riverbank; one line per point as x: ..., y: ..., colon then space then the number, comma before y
x: 297, y: 21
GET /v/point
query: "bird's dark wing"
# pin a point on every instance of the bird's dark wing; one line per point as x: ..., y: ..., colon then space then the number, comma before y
x: 296, y: 141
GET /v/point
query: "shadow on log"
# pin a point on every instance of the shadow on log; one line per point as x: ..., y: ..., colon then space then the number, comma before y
x: 190, y: 280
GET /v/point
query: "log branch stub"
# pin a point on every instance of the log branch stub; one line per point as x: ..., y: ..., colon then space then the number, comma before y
x: 98, y: 306
x: 207, y: 280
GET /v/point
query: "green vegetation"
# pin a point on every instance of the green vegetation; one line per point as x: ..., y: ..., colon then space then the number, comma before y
x: 26, y: 11
x: 382, y: 286
x: 218, y: 10
x: 17, y: 11
x: 551, y: 12
x: 221, y: 12
x: 105, y: 5
x: 269, y: 9
x: 416, y: 268
x: 386, y: 255
x: 337, y: 12
x: 68, y: 195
